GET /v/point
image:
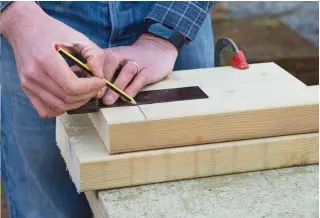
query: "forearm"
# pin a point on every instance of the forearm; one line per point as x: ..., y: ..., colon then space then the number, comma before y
x: 12, y: 15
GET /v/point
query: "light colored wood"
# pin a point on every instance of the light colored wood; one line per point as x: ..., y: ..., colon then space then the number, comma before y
x: 263, y: 101
x: 95, y: 205
x: 94, y: 169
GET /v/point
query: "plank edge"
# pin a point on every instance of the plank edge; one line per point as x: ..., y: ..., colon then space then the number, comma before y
x: 314, y: 137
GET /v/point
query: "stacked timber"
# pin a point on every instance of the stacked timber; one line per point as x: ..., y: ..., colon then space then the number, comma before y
x: 254, y: 119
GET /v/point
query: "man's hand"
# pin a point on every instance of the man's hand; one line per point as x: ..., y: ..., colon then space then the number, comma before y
x: 45, y: 76
x: 155, y: 56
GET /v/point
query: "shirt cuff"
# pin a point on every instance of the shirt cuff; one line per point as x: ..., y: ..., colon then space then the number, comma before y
x: 3, y: 4
x: 185, y: 17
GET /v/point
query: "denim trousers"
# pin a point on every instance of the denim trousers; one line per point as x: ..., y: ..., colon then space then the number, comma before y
x: 35, y: 178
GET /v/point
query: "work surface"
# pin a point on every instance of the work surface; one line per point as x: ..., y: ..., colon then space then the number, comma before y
x: 289, y: 192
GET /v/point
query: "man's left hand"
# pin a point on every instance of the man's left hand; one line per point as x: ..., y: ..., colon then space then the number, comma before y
x: 156, y: 58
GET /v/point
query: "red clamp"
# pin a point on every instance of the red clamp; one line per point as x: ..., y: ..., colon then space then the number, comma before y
x: 239, y: 61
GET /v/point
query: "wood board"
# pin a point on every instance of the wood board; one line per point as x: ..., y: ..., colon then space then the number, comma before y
x: 263, y: 101
x: 92, y: 168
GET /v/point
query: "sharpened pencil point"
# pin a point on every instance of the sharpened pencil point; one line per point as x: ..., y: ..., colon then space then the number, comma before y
x: 133, y: 101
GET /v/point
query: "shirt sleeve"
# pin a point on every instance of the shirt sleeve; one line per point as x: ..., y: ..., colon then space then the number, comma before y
x: 3, y: 4
x: 185, y: 17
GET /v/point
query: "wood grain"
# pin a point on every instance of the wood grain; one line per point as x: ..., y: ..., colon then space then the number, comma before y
x: 263, y: 101
x: 95, y: 169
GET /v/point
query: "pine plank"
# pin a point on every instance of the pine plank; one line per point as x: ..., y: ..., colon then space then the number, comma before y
x: 263, y: 101
x: 93, y: 168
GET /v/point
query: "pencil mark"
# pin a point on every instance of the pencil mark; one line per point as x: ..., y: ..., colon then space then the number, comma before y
x: 142, y: 112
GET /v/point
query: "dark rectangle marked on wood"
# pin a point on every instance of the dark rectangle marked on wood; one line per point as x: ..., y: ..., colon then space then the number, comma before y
x: 147, y: 97
x: 163, y: 95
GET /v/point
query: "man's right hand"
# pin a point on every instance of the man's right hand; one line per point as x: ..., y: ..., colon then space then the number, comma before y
x: 45, y: 76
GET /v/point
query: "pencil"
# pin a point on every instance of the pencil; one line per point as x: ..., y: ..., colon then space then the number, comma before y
x: 83, y: 66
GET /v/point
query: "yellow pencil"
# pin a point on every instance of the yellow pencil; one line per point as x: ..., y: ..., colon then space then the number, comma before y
x: 87, y: 69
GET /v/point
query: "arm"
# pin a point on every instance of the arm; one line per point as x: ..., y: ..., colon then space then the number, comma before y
x: 45, y: 77
x: 170, y: 25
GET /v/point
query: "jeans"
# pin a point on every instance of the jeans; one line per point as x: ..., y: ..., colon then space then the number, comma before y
x: 35, y: 177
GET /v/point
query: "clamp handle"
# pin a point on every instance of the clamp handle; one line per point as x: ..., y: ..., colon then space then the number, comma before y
x: 238, y: 59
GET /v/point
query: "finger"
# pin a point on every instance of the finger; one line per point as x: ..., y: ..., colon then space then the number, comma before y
x: 75, y: 68
x: 48, y: 84
x: 93, y: 54
x: 76, y: 86
x: 53, y: 101
x: 127, y: 73
x: 51, y: 87
x: 81, y: 73
x: 44, y: 79
x: 112, y: 65
x: 81, y: 98
x: 139, y: 82
x: 102, y: 92
x: 43, y: 110
x: 111, y: 68
x: 59, y: 71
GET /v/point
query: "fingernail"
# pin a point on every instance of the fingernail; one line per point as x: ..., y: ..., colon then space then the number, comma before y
x: 108, y: 100
x: 99, y: 94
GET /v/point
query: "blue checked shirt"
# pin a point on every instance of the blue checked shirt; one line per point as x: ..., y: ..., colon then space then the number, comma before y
x: 185, y: 17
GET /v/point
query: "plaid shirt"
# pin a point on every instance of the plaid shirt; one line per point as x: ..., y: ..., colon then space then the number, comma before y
x: 185, y: 17
x: 3, y: 4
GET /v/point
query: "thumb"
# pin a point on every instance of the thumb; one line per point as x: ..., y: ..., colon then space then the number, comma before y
x: 92, y: 53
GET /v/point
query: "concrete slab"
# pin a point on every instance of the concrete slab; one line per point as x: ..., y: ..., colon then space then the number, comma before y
x: 290, y: 192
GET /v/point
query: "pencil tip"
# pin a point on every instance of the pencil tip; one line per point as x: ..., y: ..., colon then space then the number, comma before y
x: 133, y: 101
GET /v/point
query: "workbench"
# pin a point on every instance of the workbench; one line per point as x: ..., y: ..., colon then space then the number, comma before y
x: 288, y: 192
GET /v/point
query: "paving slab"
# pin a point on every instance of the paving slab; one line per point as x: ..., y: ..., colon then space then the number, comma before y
x: 289, y: 192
